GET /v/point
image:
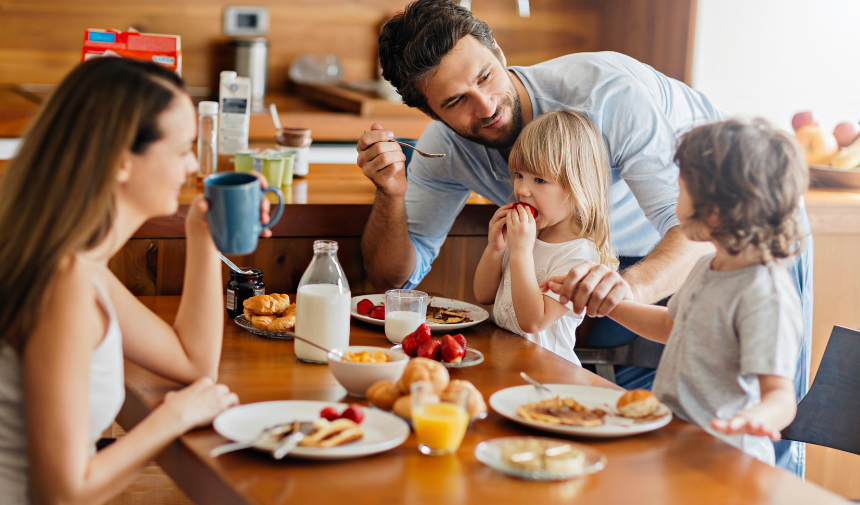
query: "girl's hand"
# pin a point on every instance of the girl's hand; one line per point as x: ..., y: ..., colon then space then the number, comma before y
x: 746, y: 423
x: 198, y: 404
x: 498, y: 231
x: 521, y: 230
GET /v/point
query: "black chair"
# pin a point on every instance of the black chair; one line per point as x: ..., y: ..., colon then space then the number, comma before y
x: 641, y: 352
x: 829, y: 413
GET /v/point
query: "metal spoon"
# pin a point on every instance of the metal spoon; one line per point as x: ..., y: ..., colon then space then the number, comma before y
x: 333, y: 351
x: 534, y: 382
x: 233, y: 266
x: 422, y: 153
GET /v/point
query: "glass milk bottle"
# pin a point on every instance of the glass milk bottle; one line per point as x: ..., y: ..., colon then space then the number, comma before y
x: 322, y: 304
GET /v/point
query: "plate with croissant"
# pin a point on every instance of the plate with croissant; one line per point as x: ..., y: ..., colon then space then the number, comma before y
x: 268, y: 316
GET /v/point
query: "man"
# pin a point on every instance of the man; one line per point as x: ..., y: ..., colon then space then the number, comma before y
x: 445, y: 62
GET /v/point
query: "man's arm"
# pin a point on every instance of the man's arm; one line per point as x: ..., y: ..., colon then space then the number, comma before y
x: 385, y: 245
x: 662, y: 272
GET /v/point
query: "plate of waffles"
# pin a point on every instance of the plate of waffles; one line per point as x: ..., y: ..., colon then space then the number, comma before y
x: 379, y: 431
x: 581, y: 411
x: 443, y: 314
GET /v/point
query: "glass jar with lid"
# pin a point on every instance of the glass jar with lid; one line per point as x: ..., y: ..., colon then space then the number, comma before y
x: 241, y: 287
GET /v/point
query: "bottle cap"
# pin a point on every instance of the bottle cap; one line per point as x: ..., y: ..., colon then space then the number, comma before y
x: 208, y: 108
x: 228, y: 75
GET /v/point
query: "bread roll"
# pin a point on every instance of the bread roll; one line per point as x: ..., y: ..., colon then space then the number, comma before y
x: 637, y: 403
x: 403, y: 407
x: 476, y: 404
x: 383, y: 394
x: 423, y: 369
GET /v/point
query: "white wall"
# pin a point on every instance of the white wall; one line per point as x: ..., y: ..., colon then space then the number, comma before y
x: 773, y: 58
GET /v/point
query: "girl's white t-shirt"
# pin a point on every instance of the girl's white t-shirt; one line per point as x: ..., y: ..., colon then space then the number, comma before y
x: 550, y: 260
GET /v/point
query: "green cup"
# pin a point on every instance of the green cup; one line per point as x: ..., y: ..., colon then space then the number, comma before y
x: 243, y: 161
x: 271, y: 166
x: 289, y: 157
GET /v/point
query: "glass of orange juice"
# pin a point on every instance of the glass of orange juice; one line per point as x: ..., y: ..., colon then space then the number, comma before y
x: 439, y: 426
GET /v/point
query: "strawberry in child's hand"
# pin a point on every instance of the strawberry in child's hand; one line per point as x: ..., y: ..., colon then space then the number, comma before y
x: 431, y: 350
x: 364, y: 307
x: 329, y: 413
x: 452, y: 351
x: 378, y: 313
x: 460, y: 340
x: 354, y: 413
x: 528, y: 207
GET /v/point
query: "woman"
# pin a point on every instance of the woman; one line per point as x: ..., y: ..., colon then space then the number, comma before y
x: 110, y: 150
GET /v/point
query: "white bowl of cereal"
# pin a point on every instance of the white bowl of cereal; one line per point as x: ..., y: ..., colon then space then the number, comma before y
x: 364, y: 365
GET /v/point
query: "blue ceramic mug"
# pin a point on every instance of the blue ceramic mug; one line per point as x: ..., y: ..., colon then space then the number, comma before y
x: 234, y: 211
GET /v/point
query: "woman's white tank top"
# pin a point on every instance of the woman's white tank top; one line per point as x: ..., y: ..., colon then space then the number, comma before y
x: 106, y: 395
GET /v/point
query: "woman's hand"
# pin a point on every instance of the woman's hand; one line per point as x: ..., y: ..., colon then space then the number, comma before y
x: 521, y: 231
x: 196, y: 221
x: 198, y: 404
x: 498, y: 231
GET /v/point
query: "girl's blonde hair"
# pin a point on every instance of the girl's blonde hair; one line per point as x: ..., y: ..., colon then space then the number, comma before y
x: 567, y: 148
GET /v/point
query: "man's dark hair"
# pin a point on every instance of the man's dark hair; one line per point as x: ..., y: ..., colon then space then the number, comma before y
x: 751, y: 177
x: 414, y: 41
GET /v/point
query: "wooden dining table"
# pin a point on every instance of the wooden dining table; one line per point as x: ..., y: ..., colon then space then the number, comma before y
x: 679, y: 463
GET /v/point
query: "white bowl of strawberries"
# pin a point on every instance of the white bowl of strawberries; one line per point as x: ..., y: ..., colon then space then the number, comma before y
x: 450, y: 350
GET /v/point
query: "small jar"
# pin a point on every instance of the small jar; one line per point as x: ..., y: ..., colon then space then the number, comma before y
x: 241, y: 287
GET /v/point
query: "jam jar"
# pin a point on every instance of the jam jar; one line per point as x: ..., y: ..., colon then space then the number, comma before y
x: 241, y: 287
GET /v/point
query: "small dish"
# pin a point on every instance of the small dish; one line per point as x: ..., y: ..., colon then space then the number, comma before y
x: 475, y: 313
x: 244, y: 323
x: 490, y: 453
x: 357, y: 377
x: 473, y: 357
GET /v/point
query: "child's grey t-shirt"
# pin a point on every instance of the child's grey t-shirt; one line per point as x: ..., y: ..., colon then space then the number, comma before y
x: 729, y: 327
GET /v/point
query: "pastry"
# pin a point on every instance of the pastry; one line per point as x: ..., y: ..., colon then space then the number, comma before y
x: 383, y: 394
x: 331, y: 434
x: 638, y: 403
x: 476, y: 403
x: 562, y: 411
x: 286, y: 322
x: 261, y: 322
x: 403, y: 407
x: 423, y: 369
x: 533, y: 454
x: 267, y: 305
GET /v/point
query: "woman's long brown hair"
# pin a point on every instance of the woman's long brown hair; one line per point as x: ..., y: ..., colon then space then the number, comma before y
x: 57, y: 194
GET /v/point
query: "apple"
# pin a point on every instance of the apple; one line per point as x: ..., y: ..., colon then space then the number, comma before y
x: 846, y: 133
x: 802, y: 119
x: 818, y: 146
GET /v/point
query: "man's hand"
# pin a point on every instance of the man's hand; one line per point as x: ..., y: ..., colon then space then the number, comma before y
x: 591, y: 287
x: 382, y: 161
x: 497, y: 238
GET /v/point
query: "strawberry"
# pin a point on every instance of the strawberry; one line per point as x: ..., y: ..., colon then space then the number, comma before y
x: 364, y: 307
x: 460, y: 340
x: 329, y: 413
x: 528, y: 208
x: 431, y: 349
x: 410, y: 345
x: 422, y: 334
x: 452, y: 351
x: 377, y: 313
x: 354, y: 413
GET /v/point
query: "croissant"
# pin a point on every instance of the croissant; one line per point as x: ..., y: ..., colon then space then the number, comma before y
x: 267, y: 305
x: 286, y: 322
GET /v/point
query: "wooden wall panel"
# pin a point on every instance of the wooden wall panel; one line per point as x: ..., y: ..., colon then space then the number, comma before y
x: 40, y: 40
x: 657, y: 32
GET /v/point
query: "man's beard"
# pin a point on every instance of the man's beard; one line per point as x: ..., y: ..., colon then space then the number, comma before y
x: 510, y: 132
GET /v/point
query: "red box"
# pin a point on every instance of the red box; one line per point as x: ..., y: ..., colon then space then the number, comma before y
x: 163, y: 49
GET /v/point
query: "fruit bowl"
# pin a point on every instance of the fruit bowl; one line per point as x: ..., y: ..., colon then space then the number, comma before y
x: 357, y: 377
x: 824, y: 176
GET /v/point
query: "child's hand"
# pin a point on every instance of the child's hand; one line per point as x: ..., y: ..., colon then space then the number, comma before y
x: 746, y: 423
x: 522, y: 230
x: 498, y: 231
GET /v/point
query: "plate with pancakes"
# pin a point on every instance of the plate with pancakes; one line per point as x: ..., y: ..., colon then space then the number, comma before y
x: 379, y: 431
x: 443, y: 314
x: 582, y: 411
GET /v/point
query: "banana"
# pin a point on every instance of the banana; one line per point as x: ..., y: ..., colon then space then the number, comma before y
x: 848, y: 157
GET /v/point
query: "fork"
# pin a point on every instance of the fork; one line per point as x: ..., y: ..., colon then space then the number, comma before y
x: 422, y: 153
x: 534, y: 382
x: 237, y: 446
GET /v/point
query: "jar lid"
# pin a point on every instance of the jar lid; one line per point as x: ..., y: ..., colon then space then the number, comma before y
x: 208, y: 108
x: 252, y: 273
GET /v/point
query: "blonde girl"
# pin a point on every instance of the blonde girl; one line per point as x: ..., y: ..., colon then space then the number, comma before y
x: 559, y: 167
x: 109, y: 150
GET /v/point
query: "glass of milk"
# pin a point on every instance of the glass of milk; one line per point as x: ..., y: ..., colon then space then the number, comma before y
x: 322, y: 305
x: 405, y: 309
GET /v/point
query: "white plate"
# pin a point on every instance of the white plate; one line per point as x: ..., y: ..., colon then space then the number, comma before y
x: 475, y: 313
x: 382, y: 431
x: 490, y: 454
x: 507, y: 401
x: 473, y: 357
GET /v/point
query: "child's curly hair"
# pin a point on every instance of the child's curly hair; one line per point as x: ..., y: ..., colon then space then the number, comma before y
x: 751, y: 177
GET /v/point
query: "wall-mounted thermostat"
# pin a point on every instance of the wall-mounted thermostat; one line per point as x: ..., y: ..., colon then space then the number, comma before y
x: 244, y: 21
